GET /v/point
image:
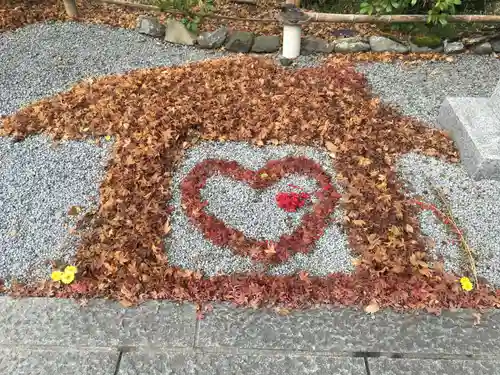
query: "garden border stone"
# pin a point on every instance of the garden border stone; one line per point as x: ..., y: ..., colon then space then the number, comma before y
x: 246, y: 42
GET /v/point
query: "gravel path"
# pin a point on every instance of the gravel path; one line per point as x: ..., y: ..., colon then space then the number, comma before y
x: 255, y: 213
x: 419, y: 89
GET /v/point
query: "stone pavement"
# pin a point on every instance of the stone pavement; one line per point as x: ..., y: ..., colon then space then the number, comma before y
x: 48, y: 336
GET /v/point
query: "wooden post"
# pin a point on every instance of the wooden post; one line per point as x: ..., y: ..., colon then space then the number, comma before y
x: 70, y: 7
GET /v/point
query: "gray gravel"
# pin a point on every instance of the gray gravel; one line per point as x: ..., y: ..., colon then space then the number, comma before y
x: 44, y: 59
x: 254, y: 213
x: 418, y: 89
x: 474, y: 205
x: 309, y: 61
x: 39, y: 183
x: 226, y: 197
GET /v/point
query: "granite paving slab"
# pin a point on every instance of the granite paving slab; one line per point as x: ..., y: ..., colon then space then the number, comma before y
x: 237, y: 364
x: 23, y: 361
x: 163, y: 334
x: 45, y: 321
x: 352, y: 331
x: 160, y: 324
x: 404, y: 366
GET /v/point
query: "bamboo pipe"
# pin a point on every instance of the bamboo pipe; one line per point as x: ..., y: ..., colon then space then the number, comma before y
x: 396, y: 18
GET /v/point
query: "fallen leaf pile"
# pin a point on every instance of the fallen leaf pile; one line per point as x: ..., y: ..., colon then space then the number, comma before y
x: 156, y: 114
x: 18, y: 13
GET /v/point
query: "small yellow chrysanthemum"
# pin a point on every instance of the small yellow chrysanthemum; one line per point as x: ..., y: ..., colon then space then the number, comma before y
x: 107, y: 138
x: 466, y: 284
x: 56, y: 275
x: 71, y: 269
x: 67, y: 277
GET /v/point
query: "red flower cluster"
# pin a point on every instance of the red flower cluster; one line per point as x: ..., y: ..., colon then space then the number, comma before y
x: 291, y: 202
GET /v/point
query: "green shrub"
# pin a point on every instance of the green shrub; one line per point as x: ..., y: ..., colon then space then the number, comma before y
x: 437, y: 12
x: 190, y: 8
x: 332, y: 6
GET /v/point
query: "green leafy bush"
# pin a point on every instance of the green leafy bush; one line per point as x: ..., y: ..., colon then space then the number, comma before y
x: 437, y: 11
x: 192, y: 10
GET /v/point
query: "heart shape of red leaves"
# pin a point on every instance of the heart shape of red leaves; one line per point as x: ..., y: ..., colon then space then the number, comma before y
x: 301, y: 240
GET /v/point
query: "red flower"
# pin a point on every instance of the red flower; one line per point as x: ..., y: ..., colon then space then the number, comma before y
x: 291, y: 202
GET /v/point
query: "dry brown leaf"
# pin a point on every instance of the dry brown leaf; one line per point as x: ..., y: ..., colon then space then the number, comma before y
x: 282, y: 311
x: 126, y: 303
x: 477, y: 318
x: 356, y: 261
x: 74, y: 211
x: 166, y: 227
x: 271, y: 249
x: 362, y: 161
x: 372, y: 308
x: 331, y: 147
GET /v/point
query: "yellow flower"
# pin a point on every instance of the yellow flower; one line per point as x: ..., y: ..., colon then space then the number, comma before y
x: 264, y: 175
x: 107, y: 138
x: 67, y: 277
x: 56, y: 275
x: 466, y: 284
x: 71, y: 269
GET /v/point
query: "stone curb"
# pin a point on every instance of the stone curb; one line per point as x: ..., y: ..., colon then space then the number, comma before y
x: 247, y: 42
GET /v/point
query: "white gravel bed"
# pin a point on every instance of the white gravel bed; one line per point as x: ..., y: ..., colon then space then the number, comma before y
x: 253, y: 212
x: 419, y: 88
x: 254, y: 220
x: 475, y: 205
x: 38, y: 183
x: 43, y: 59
